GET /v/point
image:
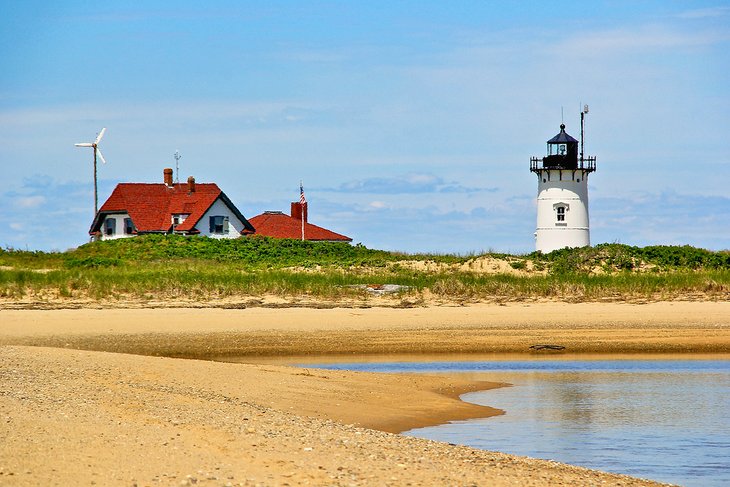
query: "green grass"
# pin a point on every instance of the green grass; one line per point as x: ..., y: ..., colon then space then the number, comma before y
x: 250, y: 252
x: 617, y: 257
x: 173, y: 267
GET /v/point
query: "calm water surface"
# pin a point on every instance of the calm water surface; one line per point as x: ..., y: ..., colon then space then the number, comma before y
x: 667, y: 420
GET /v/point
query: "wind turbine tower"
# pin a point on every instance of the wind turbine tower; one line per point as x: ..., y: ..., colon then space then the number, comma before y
x: 562, y: 192
x: 97, y: 151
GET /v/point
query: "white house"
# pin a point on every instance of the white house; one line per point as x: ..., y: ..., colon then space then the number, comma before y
x: 189, y: 209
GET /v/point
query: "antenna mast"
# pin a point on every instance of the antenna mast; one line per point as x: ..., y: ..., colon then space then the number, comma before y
x: 582, y: 118
x: 177, y: 157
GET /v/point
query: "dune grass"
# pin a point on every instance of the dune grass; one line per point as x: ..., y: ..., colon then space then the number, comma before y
x: 173, y: 267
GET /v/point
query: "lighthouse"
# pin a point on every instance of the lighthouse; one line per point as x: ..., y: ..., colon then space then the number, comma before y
x: 562, y: 192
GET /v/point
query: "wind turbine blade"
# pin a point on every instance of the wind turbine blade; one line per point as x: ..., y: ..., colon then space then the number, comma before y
x: 98, y: 152
x: 84, y: 144
x: 101, y: 134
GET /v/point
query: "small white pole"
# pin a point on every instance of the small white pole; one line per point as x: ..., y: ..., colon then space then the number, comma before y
x: 302, y: 201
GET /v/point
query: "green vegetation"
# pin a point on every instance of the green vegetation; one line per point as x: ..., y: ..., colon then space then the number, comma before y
x: 618, y: 257
x: 240, y: 272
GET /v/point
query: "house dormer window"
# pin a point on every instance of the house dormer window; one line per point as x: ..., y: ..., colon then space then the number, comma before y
x: 178, y: 218
x: 128, y: 226
x: 110, y: 226
x: 219, y: 224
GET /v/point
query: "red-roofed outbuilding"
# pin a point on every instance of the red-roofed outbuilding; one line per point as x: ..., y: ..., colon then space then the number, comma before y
x: 188, y: 209
x: 277, y: 224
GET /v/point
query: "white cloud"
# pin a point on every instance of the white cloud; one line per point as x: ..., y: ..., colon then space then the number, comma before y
x: 29, y: 201
x: 666, y: 218
x: 645, y: 218
x: 634, y: 39
x: 703, y: 13
x: 406, y: 184
x: 60, y: 202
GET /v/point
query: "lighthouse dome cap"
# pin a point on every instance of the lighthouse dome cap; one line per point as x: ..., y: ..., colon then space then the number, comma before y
x: 562, y: 137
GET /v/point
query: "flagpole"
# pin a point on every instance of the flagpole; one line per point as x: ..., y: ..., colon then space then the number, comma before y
x: 301, y: 205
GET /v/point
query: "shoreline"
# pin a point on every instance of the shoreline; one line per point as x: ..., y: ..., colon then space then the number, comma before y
x: 134, y: 417
x: 73, y: 417
x: 311, y: 302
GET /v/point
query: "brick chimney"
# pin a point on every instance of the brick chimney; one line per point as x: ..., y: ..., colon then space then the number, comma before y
x: 167, y: 172
x: 191, y: 184
x: 298, y: 210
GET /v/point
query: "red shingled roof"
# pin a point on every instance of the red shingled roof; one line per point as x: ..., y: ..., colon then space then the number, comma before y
x: 279, y: 225
x: 150, y: 206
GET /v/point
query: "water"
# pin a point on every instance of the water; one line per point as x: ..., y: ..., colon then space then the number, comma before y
x: 667, y: 420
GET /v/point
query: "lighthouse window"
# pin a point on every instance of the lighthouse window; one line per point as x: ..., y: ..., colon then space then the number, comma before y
x: 561, y: 213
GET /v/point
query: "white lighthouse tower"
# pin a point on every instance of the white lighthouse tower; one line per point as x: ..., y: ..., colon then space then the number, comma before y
x: 562, y: 192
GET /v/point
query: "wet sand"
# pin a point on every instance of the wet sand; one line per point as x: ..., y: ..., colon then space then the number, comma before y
x: 662, y: 327
x: 72, y: 417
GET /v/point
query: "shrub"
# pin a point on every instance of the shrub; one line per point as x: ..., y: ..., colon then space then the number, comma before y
x: 518, y: 264
x: 91, y: 262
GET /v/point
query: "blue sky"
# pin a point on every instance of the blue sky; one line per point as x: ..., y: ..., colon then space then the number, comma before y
x: 410, y: 123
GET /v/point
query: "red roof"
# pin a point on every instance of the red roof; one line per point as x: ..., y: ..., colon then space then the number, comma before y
x: 151, y: 206
x: 279, y: 225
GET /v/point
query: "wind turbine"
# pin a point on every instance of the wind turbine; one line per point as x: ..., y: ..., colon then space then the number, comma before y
x: 95, y: 145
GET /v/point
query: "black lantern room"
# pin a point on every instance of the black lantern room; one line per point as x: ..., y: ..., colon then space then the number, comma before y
x: 563, y: 154
x: 562, y: 151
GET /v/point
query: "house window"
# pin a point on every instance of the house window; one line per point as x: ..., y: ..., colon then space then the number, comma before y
x: 219, y: 224
x: 128, y: 226
x: 178, y: 218
x: 110, y: 226
x: 561, y: 213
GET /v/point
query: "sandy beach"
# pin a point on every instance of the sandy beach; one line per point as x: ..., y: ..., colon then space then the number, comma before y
x: 96, y: 396
x: 660, y: 327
